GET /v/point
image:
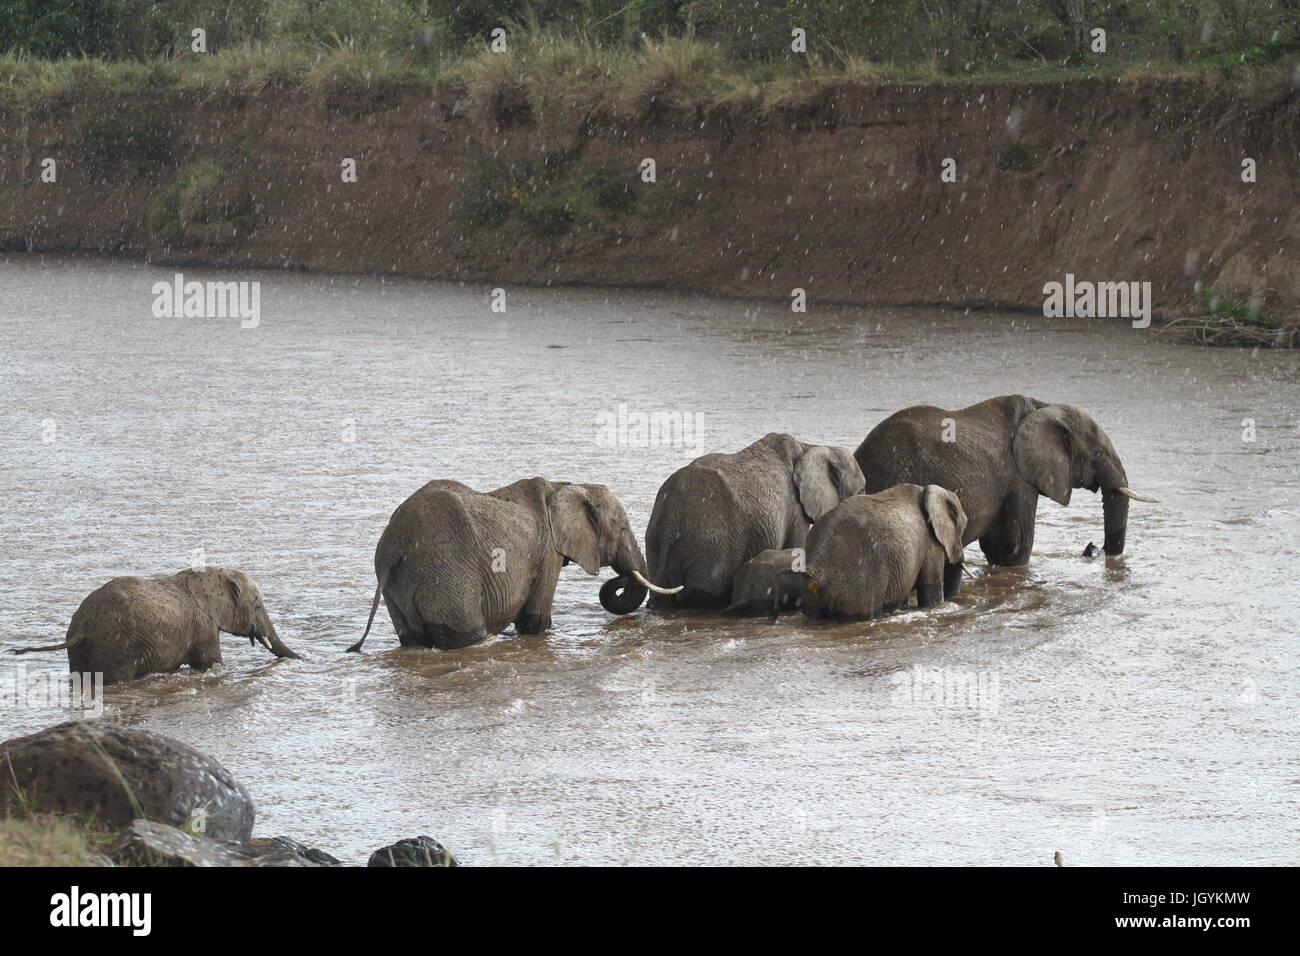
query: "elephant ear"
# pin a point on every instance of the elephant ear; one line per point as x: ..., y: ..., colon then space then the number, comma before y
x: 819, y: 479
x: 1043, y: 449
x: 574, y: 526
x: 947, y: 520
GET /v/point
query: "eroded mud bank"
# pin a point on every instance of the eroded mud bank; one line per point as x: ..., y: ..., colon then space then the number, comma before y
x: 841, y: 194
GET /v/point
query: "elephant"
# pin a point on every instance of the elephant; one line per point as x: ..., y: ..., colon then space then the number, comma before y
x: 135, y: 626
x: 455, y: 565
x: 759, y: 586
x: 866, y: 557
x: 721, y: 510
x: 998, y: 456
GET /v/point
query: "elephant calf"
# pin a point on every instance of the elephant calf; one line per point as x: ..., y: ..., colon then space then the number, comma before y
x: 132, y: 626
x: 762, y: 585
x: 867, y: 556
x: 455, y: 565
x: 719, y: 511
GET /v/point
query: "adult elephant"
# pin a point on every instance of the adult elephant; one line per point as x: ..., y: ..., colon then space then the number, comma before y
x: 998, y: 456
x: 455, y: 565
x: 134, y: 626
x: 719, y: 511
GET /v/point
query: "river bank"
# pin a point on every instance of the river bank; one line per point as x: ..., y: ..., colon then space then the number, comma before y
x: 840, y: 192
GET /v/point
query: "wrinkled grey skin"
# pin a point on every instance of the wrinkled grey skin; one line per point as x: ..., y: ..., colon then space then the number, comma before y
x: 867, y: 556
x: 455, y: 565
x: 1007, y: 451
x: 719, y: 511
x: 133, y: 626
x: 762, y: 585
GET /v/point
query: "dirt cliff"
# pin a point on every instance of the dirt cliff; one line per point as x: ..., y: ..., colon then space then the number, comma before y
x: 841, y: 193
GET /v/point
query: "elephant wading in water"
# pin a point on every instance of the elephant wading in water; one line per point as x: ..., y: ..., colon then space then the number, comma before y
x: 863, y: 559
x: 455, y: 565
x: 131, y: 626
x: 719, y: 511
x: 998, y: 456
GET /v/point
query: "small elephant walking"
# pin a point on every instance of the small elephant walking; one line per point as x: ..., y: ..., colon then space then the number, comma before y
x: 719, y: 511
x: 133, y: 626
x: 455, y: 565
x: 998, y: 456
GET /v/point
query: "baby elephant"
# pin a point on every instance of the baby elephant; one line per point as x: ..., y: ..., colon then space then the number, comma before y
x: 132, y: 626
x: 768, y: 583
x: 866, y: 556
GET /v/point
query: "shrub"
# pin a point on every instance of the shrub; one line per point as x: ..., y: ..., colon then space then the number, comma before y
x: 130, y: 138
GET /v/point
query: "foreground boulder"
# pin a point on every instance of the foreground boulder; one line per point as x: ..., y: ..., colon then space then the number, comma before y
x: 146, y: 843
x: 115, y: 774
x: 420, y: 851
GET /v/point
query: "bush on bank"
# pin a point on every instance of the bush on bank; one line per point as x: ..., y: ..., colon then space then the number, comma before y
x: 907, y: 38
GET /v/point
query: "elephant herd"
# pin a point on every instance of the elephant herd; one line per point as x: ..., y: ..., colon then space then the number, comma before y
x: 779, y: 525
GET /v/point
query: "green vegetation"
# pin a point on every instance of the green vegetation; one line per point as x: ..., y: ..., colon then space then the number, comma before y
x: 193, y: 208
x: 131, y: 138
x: 637, y: 54
x: 1223, y: 321
x: 47, y: 840
x: 30, y: 837
x: 546, y: 198
x: 1015, y: 156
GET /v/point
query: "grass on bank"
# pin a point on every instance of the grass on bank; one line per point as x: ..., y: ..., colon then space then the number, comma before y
x: 1224, y: 321
x: 47, y: 840
x: 554, y: 68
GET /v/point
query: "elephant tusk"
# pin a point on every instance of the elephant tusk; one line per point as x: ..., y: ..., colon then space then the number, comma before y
x: 654, y: 587
x: 967, y: 571
x: 1136, y: 497
x: 265, y: 642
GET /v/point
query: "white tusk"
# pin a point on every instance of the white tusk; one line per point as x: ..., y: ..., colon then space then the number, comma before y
x: 654, y: 587
x: 967, y: 571
x: 265, y: 643
x: 1136, y: 497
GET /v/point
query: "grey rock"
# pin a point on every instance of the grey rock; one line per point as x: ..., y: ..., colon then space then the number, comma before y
x: 116, y: 774
x: 146, y: 843
x: 420, y: 851
x: 313, y: 855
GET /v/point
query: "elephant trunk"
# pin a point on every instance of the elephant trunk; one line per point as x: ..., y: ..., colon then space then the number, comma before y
x: 1114, y: 507
x: 275, y: 645
x: 627, y: 592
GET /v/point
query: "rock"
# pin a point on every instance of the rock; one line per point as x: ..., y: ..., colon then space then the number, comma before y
x: 420, y: 851
x: 116, y: 774
x: 146, y: 843
x: 311, y: 854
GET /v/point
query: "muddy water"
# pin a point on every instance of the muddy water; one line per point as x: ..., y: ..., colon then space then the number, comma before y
x: 1131, y: 710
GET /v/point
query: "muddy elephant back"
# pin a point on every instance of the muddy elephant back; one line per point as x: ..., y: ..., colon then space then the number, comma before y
x: 130, y: 627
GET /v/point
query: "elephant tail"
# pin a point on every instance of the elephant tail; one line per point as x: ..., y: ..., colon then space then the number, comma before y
x: 51, y: 647
x: 374, y: 606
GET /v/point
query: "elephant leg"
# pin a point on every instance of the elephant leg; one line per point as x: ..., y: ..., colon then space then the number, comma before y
x: 930, y: 582
x: 535, y: 616
x: 1011, y: 539
x: 951, y: 580
x: 206, y: 652
x: 407, y: 634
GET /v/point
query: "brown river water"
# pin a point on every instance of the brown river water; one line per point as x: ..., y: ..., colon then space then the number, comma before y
x: 1139, y: 709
